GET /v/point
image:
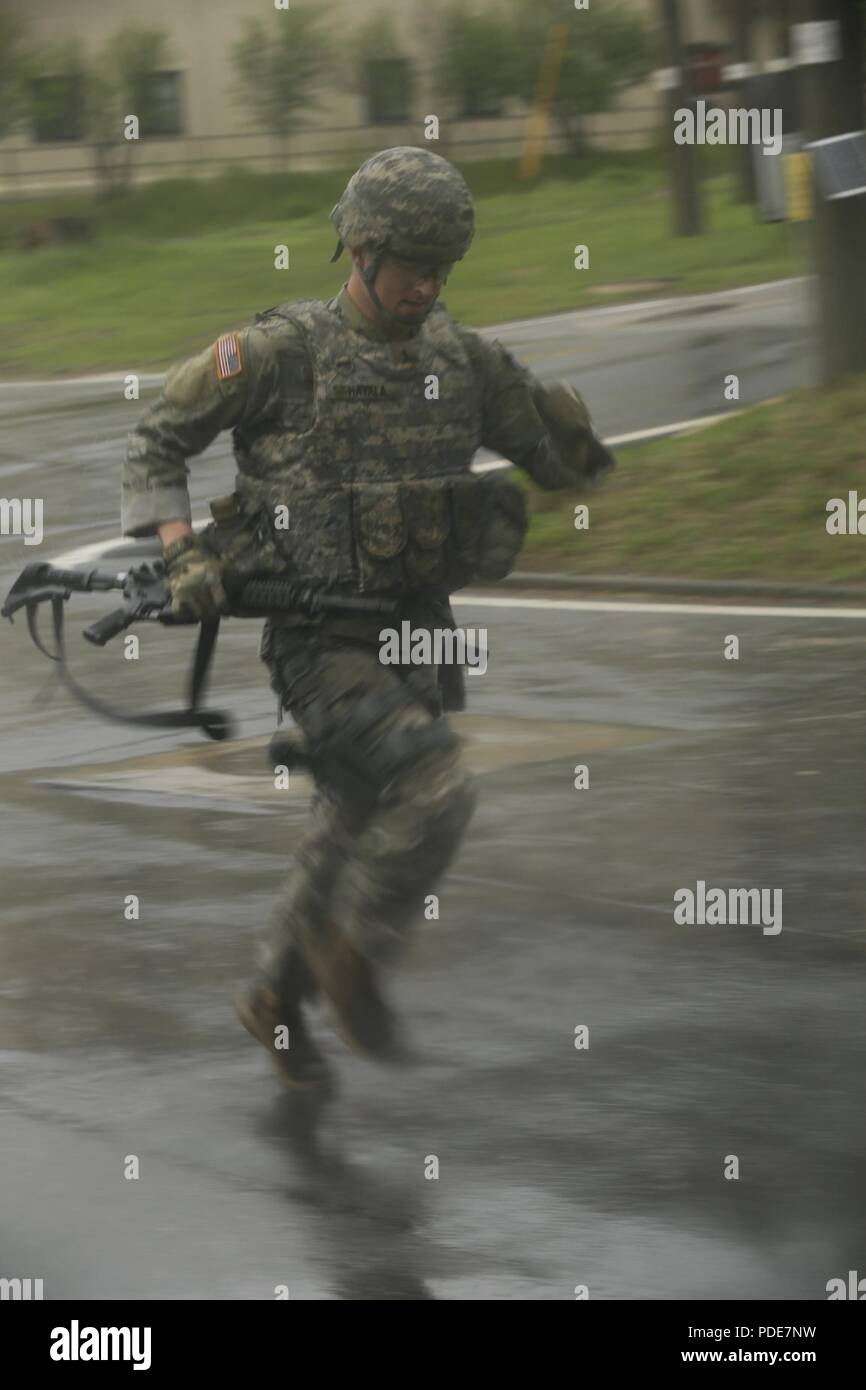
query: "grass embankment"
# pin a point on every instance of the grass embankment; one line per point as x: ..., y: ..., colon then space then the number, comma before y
x: 744, y: 499
x: 173, y: 264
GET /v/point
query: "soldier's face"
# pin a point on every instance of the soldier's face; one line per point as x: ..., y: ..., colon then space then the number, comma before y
x: 409, y: 289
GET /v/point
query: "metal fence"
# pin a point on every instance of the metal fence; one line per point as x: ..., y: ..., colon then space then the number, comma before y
x: 27, y: 168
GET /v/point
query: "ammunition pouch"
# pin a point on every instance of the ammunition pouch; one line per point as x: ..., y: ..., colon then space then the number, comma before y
x: 403, y: 536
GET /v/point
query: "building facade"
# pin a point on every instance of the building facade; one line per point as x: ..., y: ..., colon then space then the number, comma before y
x: 373, y: 98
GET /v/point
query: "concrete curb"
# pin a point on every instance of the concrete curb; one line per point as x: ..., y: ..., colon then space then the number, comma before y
x: 714, y: 588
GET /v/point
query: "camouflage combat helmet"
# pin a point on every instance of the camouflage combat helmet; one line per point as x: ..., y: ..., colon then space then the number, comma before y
x: 410, y: 201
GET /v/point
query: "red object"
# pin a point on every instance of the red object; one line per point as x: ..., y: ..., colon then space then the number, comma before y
x: 704, y: 64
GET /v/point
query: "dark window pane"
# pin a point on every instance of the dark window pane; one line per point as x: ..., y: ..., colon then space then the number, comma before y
x: 58, y: 108
x: 163, y: 104
x: 388, y: 90
x: 478, y: 104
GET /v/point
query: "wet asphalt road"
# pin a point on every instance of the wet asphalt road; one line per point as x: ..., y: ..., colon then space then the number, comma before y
x: 557, y: 1167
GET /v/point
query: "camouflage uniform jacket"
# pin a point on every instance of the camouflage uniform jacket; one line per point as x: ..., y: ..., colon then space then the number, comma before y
x: 362, y: 437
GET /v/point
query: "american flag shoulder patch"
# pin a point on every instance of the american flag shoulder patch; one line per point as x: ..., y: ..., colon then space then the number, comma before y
x: 228, y: 356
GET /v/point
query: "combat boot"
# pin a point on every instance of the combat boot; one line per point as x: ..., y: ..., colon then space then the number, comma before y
x: 300, y: 1065
x: 347, y: 979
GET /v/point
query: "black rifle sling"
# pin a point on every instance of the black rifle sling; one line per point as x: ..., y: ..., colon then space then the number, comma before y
x: 214, y: 723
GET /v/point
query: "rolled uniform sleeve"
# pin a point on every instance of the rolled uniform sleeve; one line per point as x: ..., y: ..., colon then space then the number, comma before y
x: 547, y: 431
x: 194, y: 407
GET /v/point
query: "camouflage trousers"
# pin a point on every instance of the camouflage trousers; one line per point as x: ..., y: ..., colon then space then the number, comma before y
x: 391, y: 802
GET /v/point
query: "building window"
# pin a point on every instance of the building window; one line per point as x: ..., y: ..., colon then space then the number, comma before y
x: 163, y: 104
x: 388, y: 90
x: 479, y: 105
x: 58, y: 108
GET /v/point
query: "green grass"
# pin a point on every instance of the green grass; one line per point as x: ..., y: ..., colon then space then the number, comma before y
x: 175, y: 263
x: 744, y: 499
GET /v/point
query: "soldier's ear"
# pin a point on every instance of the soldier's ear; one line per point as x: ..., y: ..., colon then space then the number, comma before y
x: 360, y: 257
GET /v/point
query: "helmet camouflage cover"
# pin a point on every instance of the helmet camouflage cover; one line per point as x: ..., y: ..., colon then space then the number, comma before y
x: 409, y: 200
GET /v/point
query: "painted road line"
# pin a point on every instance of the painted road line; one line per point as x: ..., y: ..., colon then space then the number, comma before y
x: 704, y: 609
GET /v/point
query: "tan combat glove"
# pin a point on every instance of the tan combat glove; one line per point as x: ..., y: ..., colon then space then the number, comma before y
x: 564, y: 412
x: 194, y: 580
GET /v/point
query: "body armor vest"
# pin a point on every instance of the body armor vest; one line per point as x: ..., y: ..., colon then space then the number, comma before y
x: 376, y: 487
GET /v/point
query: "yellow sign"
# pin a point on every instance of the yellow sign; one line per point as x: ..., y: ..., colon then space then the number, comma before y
x: 798, y: 186
x: 536, y: 125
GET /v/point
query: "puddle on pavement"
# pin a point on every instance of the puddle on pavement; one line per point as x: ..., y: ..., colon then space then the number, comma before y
x: 238, y: 772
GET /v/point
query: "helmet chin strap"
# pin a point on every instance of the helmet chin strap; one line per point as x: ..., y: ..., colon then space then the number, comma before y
x: 388, y: 315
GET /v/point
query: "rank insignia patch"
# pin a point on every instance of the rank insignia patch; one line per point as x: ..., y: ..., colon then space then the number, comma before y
x: 228, y: 356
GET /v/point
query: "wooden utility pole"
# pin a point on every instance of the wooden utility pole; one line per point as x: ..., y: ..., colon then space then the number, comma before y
x: 833, y: 104
x: 747, y: 189
x: 684, y: 162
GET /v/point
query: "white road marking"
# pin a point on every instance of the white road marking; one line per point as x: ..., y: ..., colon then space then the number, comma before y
x: 92, y: 553
x: 575, y: 605
x: 676, y: 427
x: 633, y: 437
x: 99, y: 379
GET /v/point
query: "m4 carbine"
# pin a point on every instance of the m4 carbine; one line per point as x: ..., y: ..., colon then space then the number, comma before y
x: 146, y: 598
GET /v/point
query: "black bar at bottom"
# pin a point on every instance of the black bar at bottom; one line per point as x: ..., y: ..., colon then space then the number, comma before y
x: 166, y: 1337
